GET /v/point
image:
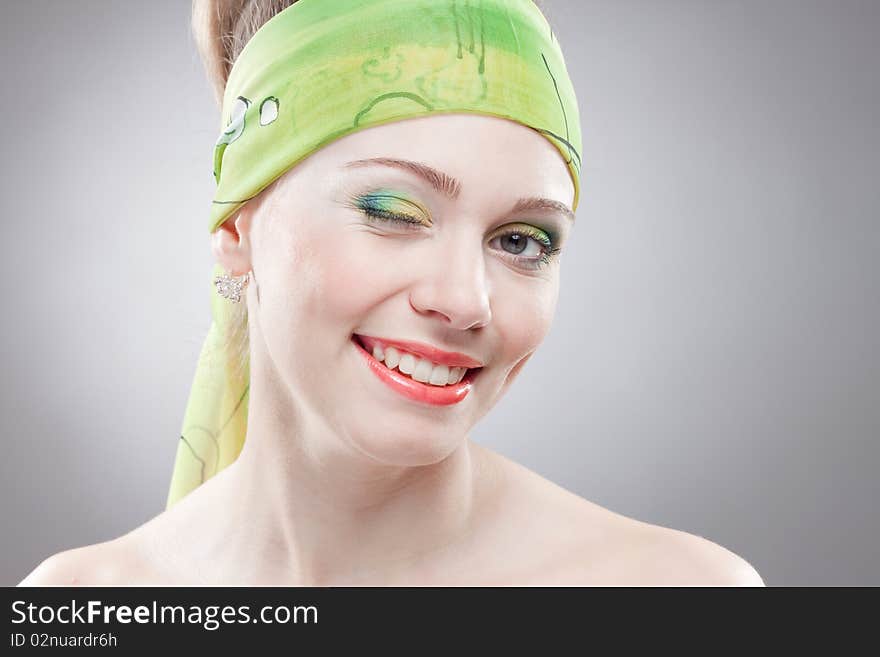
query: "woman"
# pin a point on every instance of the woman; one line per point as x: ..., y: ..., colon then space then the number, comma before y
x: 395, y: 275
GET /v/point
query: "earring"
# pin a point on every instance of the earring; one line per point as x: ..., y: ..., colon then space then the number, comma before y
x: 231, y: 287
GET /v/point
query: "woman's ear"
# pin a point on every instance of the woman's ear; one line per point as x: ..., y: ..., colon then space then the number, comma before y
x: 231, y: 243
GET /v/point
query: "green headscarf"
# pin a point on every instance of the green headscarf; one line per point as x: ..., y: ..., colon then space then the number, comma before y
x: 322, y: 69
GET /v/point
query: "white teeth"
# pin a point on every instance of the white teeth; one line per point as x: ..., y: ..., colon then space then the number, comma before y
x: 422, y: 373
x: 392, y: 357
x: 407, y: 363
x: 420, y: 369
x: 439, y: 375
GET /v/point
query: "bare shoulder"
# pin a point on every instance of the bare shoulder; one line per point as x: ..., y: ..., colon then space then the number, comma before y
x: 636, y: 553
x: 580, y: 543
x: 101, y: 564
x: 77, y: 566
x: 671, y: 557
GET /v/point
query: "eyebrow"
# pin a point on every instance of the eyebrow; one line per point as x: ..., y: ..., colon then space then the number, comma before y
x: 450, y: 187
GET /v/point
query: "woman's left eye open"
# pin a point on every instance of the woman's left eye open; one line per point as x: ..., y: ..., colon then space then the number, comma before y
x: 538, y: 246
x: 518, y: 239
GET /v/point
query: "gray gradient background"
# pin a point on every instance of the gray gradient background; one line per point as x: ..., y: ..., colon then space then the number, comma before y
x: 713, y: 365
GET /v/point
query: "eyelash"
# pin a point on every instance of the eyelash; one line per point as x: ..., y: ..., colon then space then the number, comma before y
x: 548, y: 251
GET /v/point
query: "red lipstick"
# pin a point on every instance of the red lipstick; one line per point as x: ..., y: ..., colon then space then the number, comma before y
x: 450, y: 358
x: 415, y: 390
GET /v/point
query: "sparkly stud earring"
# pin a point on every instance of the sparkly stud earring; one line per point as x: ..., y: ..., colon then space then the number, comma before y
x: 231, y: 287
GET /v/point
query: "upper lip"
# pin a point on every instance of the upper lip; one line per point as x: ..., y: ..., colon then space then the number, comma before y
x: 434, y: 354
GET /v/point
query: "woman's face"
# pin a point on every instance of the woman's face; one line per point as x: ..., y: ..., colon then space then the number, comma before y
x: 344, y: 247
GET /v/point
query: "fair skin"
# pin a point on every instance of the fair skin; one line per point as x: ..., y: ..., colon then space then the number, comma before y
x: 343, y: 481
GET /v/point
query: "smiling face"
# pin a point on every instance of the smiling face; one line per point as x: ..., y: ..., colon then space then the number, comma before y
x: 455, y: 254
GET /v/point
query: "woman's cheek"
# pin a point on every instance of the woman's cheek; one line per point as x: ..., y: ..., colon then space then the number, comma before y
x: 522, y: 312
x: 355, y: 271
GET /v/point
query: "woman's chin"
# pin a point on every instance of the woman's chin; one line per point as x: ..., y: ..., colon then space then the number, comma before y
x: 406, y: 450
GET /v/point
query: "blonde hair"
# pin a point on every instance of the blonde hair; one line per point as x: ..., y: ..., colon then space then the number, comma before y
x: 221, y: 28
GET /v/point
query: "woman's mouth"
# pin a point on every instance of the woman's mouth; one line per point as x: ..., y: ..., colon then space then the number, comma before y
x: 414, y: 376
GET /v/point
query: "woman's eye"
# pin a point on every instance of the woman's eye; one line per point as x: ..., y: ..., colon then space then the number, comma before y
x: 385, y: 207
x: 527, y: 247
x: 378, y: 214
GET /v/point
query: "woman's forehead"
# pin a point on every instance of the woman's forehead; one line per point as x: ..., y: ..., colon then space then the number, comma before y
x: 469, y: 152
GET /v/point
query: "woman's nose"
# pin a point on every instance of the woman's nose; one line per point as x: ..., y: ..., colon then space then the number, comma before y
x: 454, y: 285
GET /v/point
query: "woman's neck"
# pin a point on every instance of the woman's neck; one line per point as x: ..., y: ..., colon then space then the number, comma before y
x: 303, y: 505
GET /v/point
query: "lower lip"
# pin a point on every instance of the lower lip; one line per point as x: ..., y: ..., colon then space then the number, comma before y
x: 415, y: 390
